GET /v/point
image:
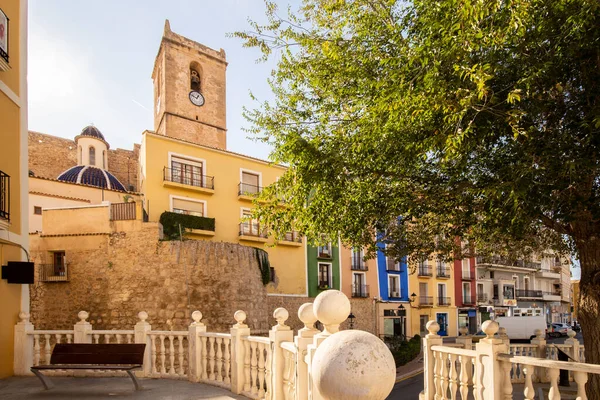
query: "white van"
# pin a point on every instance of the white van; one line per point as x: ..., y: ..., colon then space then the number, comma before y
x: 522, y: 327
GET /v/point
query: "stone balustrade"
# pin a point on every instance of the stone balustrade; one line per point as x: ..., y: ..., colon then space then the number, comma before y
x: 310, y: 365
x: 490, y: 369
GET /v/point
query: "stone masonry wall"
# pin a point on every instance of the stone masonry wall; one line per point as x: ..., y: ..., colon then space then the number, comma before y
x: 49, y: 156
x: 115, y: 276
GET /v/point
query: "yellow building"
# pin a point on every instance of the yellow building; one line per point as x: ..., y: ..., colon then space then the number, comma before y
x: 433, y: 284
x: 186, y: 169
x: 13, y: 168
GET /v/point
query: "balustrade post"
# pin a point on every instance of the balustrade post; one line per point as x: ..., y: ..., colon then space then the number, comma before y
x: 430, y: 340
x: 540, y: 341
x: 23, y: 357
x: 465, y: 339
x: 303, y: 340
x: 279, y: 333
x: 140, y: 335
x: 238, y: 331
x: 489, y: 373
x: 82, y: 329
x: 504, y: 336
x: 574, y: 345
x: 195, y: 347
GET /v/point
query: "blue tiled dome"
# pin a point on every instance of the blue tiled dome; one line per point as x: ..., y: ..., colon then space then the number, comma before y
x: 91, y: 176
x: 92, y: 131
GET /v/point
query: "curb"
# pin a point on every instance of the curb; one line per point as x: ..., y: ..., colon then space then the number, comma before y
x: 409, y: 375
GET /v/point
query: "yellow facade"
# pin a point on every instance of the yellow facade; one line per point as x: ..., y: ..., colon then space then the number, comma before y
x: 428, y: 304
x: 221, y: 203
x: 13, y: 162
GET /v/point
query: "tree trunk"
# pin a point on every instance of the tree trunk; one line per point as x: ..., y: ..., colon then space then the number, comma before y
x: 589, y: 307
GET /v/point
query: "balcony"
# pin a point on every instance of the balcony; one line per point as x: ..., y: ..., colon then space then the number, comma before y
x: 325, y: 284
x: 551, y: 296
x: 482, y: 297
x: 424, y: 270
x: 361, y: 291
x: 252, y: 231
x: 54, y: 273
x: 444, y: 301
x: 357, y: 264
x: 293, y: 238
x: 247, y: 191
x: 426, y: 301
x: 468, y: 299
x: 392, y: 265
x: 324, y: 252
x: 179, y: 179
x: 504, y: 262
x: 547, y: 274
x: 393, y: 294
x: 535, y: 294
x: 467, y: 275
x: 4, y: 196
x: 442, y: 271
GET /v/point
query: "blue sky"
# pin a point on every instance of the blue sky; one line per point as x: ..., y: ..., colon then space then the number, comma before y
x: 90, y: 62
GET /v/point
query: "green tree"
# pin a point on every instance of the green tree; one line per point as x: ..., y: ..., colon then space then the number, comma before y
x: 477, y: 119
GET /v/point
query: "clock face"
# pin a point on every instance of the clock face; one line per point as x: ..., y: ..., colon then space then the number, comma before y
x: 196, y: 98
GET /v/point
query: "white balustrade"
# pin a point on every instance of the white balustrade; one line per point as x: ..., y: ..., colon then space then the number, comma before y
x: 168, y: 354
x: 215, y: 361
x: 257, y: 368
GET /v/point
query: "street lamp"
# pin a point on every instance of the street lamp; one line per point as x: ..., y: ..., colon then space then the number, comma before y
x: 351, y: 318
x: 412, y: 299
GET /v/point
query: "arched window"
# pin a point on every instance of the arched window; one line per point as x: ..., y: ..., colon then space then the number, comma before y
x: 194, y: 77
x: 92, y: 155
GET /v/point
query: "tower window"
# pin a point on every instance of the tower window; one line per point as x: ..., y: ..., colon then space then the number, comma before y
x: 92, y: 155
x: 194, y: 80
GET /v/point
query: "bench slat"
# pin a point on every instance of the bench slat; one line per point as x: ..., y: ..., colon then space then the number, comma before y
x: 98, y: 367
x: 106, y: 354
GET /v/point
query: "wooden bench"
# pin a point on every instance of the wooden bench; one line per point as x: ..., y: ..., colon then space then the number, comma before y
x: 120, y: 357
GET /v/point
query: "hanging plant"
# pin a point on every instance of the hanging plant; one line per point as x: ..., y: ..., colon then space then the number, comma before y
x: 262, y: 257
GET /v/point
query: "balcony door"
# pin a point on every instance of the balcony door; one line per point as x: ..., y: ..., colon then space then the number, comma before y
x: 250, y: 226
x: 442, y: 294
x: 358, y: 280
x: 250, y: 183
x: 59, y: 263
x: 187, y: 172
x: 325, y: 276
x: 466, y: 292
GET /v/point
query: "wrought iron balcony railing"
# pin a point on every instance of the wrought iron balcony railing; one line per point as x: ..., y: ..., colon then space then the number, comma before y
x: 360, y: 290
x: 426, y: 301
x: 424, y: 270
x: 468, y: 299
x: 501, y: 261
x: 293, y: 236
x: 179, y: 176
x: 4, y: 196
x: 357, y: 264
x: 529, y: 293
x: 54, y: 273
x: 482, y: 297
x: 444, y: 301
x: 325, y: 284
x: 252, y: 229
x: 442, y: 271
x: 392, y: 264
x: 246, y: 189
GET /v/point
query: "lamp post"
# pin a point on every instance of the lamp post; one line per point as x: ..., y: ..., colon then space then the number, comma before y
x: 402, y: 315
x: 412, y: 299
x: 351, y: 318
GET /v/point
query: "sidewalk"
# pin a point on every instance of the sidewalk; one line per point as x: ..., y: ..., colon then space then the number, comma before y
x: 410, y: 369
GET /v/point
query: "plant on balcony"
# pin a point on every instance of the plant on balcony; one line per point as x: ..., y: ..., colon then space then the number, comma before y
x: 262, y: 257
x: 171, y: 221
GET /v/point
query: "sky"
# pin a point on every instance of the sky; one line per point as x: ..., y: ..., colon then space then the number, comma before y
x: 90, y: 63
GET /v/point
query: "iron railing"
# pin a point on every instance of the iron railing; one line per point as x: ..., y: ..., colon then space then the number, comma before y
x: 324, y: 252
x: 482, y: 297
x: 466, y: 274
x: 426, y: 301
x: 424, y: 270
x: 357, y: 264
x: 444, y: 301
x: 395, y: 295
x: 442, y: 271
x: 293, y: 236
x: 54, y: 273
x: 360, y: 290
x: 4, y: 196
x: 247, y: 189
x: 495, y: 260
x: 468, y: 299
x: 252, y: 229
x: 324, y: 284
x: 392, y: 264
x: 122, y: 211
x: 529, y: 293
x: 179, y: 176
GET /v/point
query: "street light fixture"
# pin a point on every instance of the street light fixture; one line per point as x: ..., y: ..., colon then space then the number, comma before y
x: 351, y: 317
x: 412, y: 299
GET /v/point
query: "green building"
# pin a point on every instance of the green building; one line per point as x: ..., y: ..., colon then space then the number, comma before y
x: 323, y: 268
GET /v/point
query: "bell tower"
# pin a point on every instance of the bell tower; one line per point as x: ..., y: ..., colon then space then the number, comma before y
x: 189, y: 91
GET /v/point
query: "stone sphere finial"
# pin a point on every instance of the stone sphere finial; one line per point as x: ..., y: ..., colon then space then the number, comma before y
x: 353, y: 365
x: 306, y: 314
x: 571, y: 333
x: 331, y: 307
x: 240, y: 317
x: 143, y: 316
x: 463, y: 331
x: 490, y: 328
x: 432, y: 327
x: 24, y: 316
x: 83, y: 315
x: 281, y: 315
x: 196, y: 316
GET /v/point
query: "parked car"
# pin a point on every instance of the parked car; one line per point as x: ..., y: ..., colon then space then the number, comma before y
x: 559, y: 329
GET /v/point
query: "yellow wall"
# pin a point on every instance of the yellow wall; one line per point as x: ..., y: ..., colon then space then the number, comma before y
x: 89, y: 219
x: 13, y: 161
x: 370, y: 274
x: 432, y: 290
x: 223, y: 204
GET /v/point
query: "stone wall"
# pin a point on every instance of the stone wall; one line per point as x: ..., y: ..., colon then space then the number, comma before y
x: 49, y: 156
x: 114, y: 276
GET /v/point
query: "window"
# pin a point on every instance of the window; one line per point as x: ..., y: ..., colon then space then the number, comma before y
x: 250, y: 226
x: 92, y: 153
x: 466, y: 292
x: 37, y: 210
x: 187, y: 172
x: 188, y: 207
x: 58, y: 261
x: 325, y: 276
x: 394, y: 286
x: 491, y: 274
x: 466, y: 269
x: 194, y: 77
x: 324, y: 251
x: 443, y: 299
x: 359, y: 287
x: 495, y: 291
x: 508, y: 291
x: 250, y: 183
